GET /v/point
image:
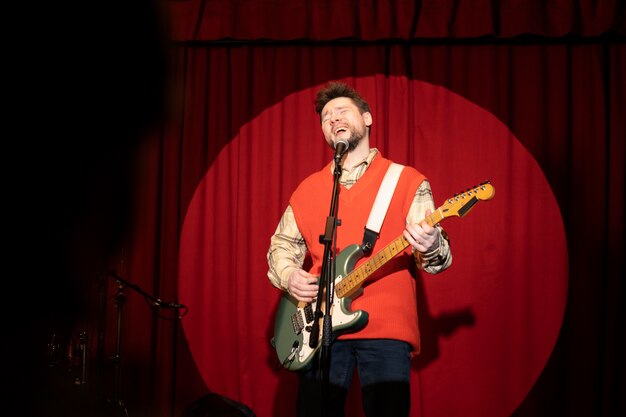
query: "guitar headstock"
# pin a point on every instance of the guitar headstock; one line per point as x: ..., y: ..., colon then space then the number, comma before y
x: 462, y: 203
x: 484, y: 191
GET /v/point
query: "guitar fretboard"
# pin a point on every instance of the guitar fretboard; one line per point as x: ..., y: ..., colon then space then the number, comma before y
x: 353, y: 281
x: 459, y: 205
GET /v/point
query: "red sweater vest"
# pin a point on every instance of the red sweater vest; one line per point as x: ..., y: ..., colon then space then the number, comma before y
x: 389, y: 294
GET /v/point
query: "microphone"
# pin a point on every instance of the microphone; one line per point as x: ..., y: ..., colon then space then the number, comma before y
x: 341, y: 146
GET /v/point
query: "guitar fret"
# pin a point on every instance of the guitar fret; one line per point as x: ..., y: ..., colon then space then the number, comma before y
x: 356, y: 278
x: 358, y: 275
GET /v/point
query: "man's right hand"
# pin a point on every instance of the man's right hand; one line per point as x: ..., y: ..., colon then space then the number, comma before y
x: 303, y: 286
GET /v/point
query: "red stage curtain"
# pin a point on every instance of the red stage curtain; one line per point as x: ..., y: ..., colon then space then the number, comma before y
x: 541, y: 118
x: 203, y: 20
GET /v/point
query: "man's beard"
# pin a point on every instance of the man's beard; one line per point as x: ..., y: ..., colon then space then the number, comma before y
x: 354, y: 139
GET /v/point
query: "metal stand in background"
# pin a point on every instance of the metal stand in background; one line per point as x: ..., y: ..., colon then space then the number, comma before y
x: 77, y: 355
x: 71, y: 357
x: 120, y: 298
x: 117, y: 401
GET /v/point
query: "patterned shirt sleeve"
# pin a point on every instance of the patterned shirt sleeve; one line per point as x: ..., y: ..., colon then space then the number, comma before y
x: 287, y: 250
x: 440, y: 258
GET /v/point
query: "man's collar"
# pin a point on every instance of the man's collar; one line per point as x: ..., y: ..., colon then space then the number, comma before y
x: 368, y: 160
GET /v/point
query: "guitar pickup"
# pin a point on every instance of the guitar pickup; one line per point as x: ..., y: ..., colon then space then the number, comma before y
x: 297, y: 322
x: 309, y: 314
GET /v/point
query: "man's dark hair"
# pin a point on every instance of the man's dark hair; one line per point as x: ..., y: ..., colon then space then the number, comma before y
x: 336, y: 89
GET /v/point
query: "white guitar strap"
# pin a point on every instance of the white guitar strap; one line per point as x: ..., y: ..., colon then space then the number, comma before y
x: 381, y: 204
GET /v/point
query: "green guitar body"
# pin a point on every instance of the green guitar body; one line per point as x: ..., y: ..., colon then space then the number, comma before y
x: 294, y: 319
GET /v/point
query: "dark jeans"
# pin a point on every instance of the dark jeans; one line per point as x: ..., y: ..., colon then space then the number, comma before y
x: 384, y: 372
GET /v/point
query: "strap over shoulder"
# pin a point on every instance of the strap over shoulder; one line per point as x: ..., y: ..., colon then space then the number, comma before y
x: 381, y: 204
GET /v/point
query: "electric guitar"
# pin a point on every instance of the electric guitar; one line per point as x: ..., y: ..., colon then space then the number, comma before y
x: 295, y: 339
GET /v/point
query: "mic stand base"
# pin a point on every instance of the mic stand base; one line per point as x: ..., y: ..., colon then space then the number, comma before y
x: 116, y: 408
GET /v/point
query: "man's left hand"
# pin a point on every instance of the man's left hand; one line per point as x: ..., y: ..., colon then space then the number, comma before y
x: 423, y: 237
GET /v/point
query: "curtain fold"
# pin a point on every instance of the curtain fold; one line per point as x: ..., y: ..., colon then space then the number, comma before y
x: 202, y: 20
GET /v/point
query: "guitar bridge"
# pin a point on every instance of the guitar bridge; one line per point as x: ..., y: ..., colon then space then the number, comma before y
x: 297, y: 322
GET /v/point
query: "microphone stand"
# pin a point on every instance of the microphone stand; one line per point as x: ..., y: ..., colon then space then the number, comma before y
x: 120, y: 298
x: 326, y: 288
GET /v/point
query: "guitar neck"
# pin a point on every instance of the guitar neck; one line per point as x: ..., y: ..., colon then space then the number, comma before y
x: 459, y: 205
x: 353, y: 281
